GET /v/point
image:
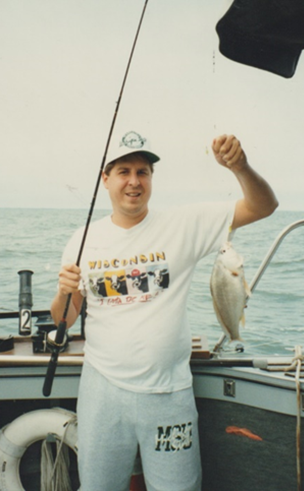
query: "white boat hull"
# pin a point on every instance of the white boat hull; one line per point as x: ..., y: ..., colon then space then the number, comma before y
x: 262, y: 402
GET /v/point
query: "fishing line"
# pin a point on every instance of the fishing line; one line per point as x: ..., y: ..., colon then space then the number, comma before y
x: 77, y: 194
x: 61, y: 329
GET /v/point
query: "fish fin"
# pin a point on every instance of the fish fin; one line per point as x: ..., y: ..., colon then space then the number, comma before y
x: 247, y: 289
x: 243, y: 320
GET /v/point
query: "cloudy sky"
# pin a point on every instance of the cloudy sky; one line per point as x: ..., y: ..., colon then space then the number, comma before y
x: 62, y: 64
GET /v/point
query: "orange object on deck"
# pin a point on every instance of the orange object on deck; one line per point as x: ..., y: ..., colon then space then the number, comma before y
x: 243, y: 432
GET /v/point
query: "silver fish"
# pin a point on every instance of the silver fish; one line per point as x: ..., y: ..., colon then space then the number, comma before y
x: 229, y: 290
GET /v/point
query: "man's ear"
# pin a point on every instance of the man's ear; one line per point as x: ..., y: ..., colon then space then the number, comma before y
x: 105, y: 179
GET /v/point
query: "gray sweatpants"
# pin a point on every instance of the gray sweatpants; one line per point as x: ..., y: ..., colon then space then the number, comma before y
x: 113, y: 422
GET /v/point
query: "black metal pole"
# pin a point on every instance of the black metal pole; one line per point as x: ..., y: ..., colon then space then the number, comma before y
x: 25, y: 302
x: 61, y: 329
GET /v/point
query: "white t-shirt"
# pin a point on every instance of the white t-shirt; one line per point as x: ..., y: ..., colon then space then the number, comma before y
x: 136, y: 282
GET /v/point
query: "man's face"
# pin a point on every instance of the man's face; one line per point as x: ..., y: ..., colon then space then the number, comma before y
x: 130, y: 185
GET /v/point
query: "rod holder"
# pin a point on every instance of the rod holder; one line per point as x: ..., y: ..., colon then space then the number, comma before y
x: 25, y: 302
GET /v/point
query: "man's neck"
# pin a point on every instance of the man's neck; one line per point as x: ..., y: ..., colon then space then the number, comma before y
x: 127, y: 221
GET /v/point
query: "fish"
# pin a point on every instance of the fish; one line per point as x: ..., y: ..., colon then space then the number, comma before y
x: 229, y: 290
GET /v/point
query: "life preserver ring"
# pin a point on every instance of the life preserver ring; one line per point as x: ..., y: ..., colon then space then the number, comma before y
x: 17, y: 436
x: 31, y: 427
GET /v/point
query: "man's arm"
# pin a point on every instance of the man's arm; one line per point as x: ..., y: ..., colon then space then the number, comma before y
x: 69, y: 278
x: 259, y: 200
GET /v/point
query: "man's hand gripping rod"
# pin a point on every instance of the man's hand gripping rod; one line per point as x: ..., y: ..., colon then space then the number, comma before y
x: 61, y: 329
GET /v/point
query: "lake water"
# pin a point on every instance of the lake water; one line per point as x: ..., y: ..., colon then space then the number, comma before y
x: 34, y: 239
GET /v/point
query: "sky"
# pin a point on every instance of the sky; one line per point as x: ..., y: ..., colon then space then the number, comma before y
x: 62, y: 64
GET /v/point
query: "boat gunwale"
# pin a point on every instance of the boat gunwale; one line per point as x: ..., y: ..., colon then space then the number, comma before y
x: 277, y: 379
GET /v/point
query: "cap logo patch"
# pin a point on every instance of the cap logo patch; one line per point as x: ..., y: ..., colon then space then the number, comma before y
x: 132, y: 140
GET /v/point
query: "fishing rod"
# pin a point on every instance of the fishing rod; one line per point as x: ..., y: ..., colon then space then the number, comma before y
x: 62, y: 326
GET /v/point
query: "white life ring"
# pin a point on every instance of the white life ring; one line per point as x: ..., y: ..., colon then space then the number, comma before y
x: 17, y: 436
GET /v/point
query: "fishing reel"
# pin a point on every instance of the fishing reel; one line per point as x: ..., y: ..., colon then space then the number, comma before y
x: 44, y: 338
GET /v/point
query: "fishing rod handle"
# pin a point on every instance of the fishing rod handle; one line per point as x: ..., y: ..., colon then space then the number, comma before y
x: 56, y: 345
x: 48, y: 381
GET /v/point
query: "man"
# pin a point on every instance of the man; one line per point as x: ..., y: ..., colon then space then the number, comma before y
x: 136, y: 269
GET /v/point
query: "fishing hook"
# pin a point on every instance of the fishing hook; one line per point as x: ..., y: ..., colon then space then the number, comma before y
x: 61, y: 329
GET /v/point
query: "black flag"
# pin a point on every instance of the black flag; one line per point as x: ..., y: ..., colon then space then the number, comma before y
x: 266, y: 34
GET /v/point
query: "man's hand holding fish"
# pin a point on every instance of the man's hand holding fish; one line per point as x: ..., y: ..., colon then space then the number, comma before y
x: 259, y: 200
x: 229, y: 152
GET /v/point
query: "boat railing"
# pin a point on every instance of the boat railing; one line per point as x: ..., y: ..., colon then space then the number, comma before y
x: 261, y: 270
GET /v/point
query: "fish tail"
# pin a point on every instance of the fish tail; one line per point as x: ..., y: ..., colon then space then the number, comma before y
x: 236, y: 339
